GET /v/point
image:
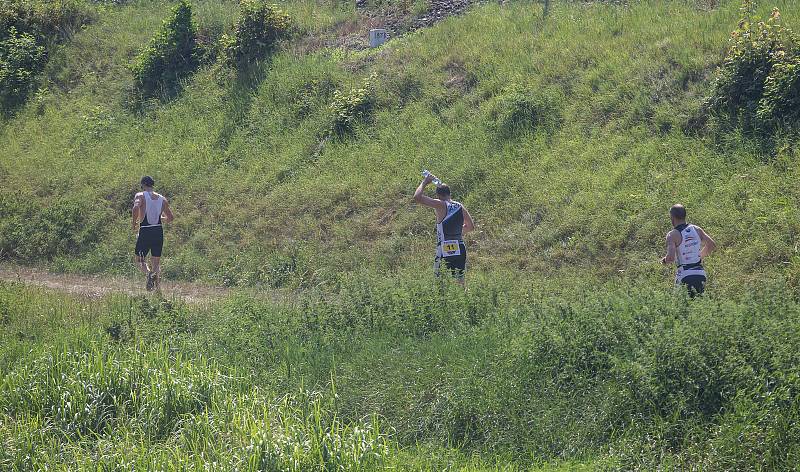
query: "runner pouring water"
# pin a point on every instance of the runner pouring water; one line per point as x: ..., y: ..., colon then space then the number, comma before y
x: 148, y: 208
x: 452, y: 221
x: 688, y: 245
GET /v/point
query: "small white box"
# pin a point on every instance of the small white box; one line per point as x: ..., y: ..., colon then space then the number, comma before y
x: 377, y: 37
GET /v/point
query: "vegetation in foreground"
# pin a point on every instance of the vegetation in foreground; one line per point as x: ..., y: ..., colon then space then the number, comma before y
x: 379, y: 375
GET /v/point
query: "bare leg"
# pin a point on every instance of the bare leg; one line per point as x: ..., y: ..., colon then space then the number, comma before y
x: 156, y: 261
x: 141, y: 263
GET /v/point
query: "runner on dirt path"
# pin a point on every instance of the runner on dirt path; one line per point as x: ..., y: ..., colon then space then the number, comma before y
x: 148, y: 208
x: 452, y: 220
x: 688, y: 245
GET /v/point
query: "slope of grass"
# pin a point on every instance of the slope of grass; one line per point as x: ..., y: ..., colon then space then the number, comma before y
x: 568, y: 139
x: 384, y: 376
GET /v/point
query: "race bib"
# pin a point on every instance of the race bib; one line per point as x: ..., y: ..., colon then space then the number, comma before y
x: 451, y: 248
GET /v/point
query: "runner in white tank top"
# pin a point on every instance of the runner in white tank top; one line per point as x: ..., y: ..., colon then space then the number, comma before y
x: 687, y: 246
x: 148, y: 208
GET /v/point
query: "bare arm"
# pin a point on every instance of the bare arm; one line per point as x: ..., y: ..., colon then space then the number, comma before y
x: 671, y: 250
x: 709, y: 245
x: 422, y: 199
x: 469, y: 225
x: 167, y: 211
x: 136, y: 211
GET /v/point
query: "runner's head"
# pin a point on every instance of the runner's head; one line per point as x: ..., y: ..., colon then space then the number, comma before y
x: 677, y: 213
x: 443, y: 192
x: 147, y: 182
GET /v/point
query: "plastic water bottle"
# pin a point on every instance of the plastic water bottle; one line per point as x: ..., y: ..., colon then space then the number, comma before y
x: 435, y: 180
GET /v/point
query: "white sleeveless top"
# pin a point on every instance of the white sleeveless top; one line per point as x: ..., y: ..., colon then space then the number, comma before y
x: 689, y: 248
x: 153, y: 209
x: 689, y: 254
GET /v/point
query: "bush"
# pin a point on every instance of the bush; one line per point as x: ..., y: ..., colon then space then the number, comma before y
x: 757, y: 49
x: 21, y: 59
x: 171, y: 54
x: 348, y: 108
x: 44, y: 19
x: 255, y: 34
x: 781, y: 100
x: 520, y: 109
x: 25, y: 27
x: 28, y: 234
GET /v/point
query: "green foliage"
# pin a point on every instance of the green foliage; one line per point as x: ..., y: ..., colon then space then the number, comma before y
x: 348, y: 108
x: 781, y: 100
x: 25, y: 27
x: 21, y: 59
x: 236, y: 155
x: 755, y: 82
x: 519, y: 109
x: 255, y: 33
x: 170, y: 56
x: 629, y: 376
x: 44, y: 19
x: 64, y: 228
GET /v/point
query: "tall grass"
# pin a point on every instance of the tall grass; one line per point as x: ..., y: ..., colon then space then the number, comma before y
x: 379, y: 375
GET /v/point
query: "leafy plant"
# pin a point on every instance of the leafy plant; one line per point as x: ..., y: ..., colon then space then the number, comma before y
x: 171, y: 54
x: 44, y: 19
x: 347, y: 108
x: 781, y: 100
x: 21, y: 59
x: 756, y: 47
x: 255, y: 34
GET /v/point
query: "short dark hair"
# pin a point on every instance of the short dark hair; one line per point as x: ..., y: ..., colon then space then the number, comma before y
x: 148, y: 181
x: 443, y: 190
x: 678, y: 211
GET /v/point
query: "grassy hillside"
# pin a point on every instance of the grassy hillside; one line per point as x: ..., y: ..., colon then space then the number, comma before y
x: 568, y: 139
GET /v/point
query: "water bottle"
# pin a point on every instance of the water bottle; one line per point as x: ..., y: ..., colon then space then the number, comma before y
x: 435, y: 180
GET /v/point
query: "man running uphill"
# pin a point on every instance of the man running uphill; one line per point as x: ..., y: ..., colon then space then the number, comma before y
x: 688, y: 245
x: 452, y: 221
x: 148, y: 207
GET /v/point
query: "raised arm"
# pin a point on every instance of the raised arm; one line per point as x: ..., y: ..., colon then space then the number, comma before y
x: 469, y: 225
x: 167, y: 211
x: 422, y: 199
x: 709, y: 245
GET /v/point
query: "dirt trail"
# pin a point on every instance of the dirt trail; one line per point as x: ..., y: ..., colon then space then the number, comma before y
x: 96, y: 286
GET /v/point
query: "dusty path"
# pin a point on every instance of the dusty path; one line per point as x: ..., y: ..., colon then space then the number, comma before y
x: 95, y: 286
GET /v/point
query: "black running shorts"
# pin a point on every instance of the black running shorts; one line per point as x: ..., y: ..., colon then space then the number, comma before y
x: 457, y: 265
x: 151, y: 239
x: 695, y: 284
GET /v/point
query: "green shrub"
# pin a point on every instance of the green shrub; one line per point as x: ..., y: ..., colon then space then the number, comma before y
x: 255, y: 34
x: 28, y: 234
x: 25, y: 27
x: 21, y: 59
x: 171, y: 54
x: 44, y: 19
x: 520, y: 109
x: 755, y: 48
x: 781, y: 100
x: 348, y: 108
